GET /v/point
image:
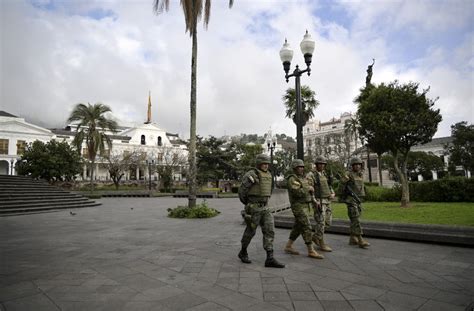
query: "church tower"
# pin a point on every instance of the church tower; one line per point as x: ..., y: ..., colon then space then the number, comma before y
x: 148, y: 119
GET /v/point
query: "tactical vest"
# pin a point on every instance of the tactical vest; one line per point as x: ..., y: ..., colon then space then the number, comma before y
x: 323, y: 186
x: 262, y: 188
x: 305, y: 183
x: 358, y: 183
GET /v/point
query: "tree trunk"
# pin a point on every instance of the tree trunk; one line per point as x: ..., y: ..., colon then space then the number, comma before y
x: 192, y: 132
x: 92, y: 174
x: 379, y: 159
x: 402, y: 174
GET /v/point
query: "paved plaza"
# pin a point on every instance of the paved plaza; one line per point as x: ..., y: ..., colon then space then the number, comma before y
x: 127, y: 255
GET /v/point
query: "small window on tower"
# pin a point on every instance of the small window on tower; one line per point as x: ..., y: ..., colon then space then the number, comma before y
x: 159, y: 141
x: 143, y: 141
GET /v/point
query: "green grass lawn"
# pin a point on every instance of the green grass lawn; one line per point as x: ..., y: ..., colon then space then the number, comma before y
x: 460, y: 214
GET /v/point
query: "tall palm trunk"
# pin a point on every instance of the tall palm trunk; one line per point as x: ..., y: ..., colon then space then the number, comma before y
x: 192, y: 133
x: 91, y: 169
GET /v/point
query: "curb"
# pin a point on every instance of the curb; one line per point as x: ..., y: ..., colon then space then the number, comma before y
x: 441, y: 234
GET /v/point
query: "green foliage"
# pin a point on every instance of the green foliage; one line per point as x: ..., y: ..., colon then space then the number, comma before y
x: 381, y: 194
x: 308, y: 102
x: 455, y: 189
x: 418, y: 162
x: 462, y: 148
x: 215, y: 162
x: 199, y: 211
x: 52, y: 161
x: 397, y: 117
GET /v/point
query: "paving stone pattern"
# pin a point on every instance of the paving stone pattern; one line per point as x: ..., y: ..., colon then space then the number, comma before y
x: 113, y: 257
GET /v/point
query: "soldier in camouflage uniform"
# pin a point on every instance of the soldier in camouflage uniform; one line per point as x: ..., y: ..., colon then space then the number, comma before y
x: 323, y: 194
x: 300, y: 192
x: 255, y: 191
x: 353, y: 182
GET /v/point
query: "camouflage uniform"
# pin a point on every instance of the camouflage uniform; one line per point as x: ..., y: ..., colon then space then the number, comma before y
x: 322, y: 193
x: 300, y: 194
x: 355, y: 181
x: 255, y: 190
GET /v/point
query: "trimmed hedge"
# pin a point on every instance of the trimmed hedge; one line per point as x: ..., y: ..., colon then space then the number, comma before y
x: 455, y: 189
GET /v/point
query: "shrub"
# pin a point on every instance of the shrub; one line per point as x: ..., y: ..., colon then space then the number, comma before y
x: 200, y: 211
x: 455, y: 189
x: 235, y: 189
x: 381, y: 194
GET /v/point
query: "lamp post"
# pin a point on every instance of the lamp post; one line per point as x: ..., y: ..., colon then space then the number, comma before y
x: 271, y: 146
x: 11, y: 166
x: 286, y: 55
x: 150, y: 162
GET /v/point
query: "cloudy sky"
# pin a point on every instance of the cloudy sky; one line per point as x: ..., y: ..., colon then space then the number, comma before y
x: 55, y: 54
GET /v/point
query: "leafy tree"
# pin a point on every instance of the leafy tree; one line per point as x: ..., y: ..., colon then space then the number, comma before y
x: 283, y: 160
x: 118, y: 164
x: 461, y: 150
x: 170, y: 160
x: 308, y: 103
x: 193, y: 11
x: 418, y: 163
x: 91, y: 124
x: 52, y: 161
x: 214, y: 161
x: 404, y: 117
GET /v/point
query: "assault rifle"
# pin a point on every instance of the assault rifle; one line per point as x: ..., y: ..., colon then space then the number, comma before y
x: 348, y: 190
x: 316, y: 205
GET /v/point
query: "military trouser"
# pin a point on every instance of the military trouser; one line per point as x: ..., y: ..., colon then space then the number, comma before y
x: 323, y: 218
x: 354, y: 211
x: 302, y: 213
x: 258, y: 215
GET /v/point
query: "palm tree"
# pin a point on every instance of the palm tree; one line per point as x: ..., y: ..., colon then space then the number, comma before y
x: 351, y: 129
x: 90, y: 128
x: 308, y: 103
x: 193, y: 11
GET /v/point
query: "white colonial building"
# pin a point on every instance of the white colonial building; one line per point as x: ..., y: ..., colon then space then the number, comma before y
x: 152, y: 144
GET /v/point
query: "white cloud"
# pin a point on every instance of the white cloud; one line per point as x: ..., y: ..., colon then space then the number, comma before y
x: 53, y: 59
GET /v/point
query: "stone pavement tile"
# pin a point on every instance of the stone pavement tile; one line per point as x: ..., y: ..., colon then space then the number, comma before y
x: 274, y: 288
x: 336, y: 305
x: 252, y: 280
x: 404, y: 276
x: 208, y: 306
x: 276, y: 296
x: 257, y: 294
x: 248, y: 287
x: 143, y: 306
x: 233, y: 274
x: 182, y: 301
x: 236, y: 301
x: 454, y: 263
x: 140, y: 282
x: 424, y: 275
x: 287, y: 305
x: 330, y: 296
x: 453, y: 298
x: 446, y: 285
x: 308, y: 306
x: 365, y: 305
x: 209, y: 292
x: 432, y: 305
x: 302, y: 296
x: 401, y: 300
x: 367, y: 292
x: 298, y: 287
x: 249, y: 274
x: 37, y: 302
x: 273, y: 280
x: 330, y: 284
x: 17, y: 290
x: 159, y: 293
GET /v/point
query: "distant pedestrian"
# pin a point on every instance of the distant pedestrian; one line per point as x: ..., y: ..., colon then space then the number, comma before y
x: 323, y: 194
x: 300, y: 193
x: 352, y: 191
x: 254, y: 192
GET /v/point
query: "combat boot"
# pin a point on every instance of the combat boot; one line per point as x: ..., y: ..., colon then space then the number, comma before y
x: 312, y: 253
x: 323, y: 246
x: 289, y: 248
x: 353, y: 240
x: 244, y: 256
x: 271, y: 262
x: 362, y: 243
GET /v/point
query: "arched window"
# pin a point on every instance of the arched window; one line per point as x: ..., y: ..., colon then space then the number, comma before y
x: 159, y: 141
x: 143, y: 142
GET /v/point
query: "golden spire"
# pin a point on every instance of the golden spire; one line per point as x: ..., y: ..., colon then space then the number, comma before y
x: 149, y: 108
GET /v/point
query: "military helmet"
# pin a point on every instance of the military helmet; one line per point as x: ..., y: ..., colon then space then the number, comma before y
x: 262, y: 159
x: 356, y: 160
x: 320, y: 159
x: 296, y: 163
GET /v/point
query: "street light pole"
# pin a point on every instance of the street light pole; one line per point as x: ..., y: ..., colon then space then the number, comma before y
x: 286, y: 55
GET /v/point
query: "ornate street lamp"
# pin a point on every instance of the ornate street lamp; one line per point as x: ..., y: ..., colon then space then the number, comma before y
x: 286, y: 55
